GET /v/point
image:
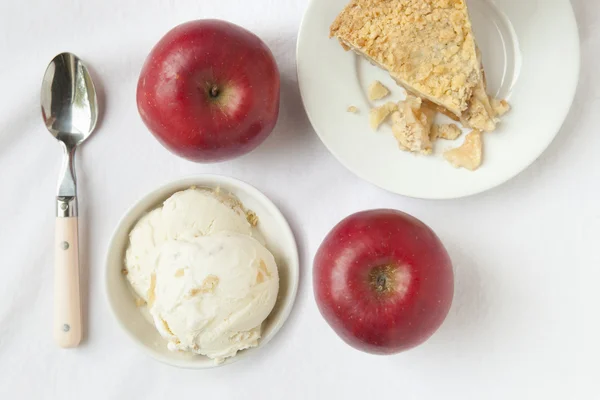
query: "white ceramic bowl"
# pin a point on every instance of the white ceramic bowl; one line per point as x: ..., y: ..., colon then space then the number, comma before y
x: 279, y: 240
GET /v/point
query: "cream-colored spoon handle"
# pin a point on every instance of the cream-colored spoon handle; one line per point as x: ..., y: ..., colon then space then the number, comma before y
x: 67, y: 299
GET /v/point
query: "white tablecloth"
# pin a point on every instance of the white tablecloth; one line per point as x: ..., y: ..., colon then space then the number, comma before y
x: 524, y: 324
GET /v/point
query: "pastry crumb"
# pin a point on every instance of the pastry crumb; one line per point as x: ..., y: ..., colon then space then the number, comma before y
x: 480, y: 115
x: 352, y: 109
x: 179, y: 273
x: 445, y: 131
x: 263, y: 272
x: 377, y: 91
x: 469, y: 155
x: 140, y: 302
x: 378, y: 115
x: 124, y: 271
x: 251, y: 217
x: 500, y: 107
x: 208, y: 285
x: 151, y: 290
x: 411, y: 126
x: 168, y: 329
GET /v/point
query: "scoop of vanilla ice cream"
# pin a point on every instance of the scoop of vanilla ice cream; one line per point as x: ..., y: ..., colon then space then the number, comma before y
x: 185, y: 215
x: 212, y: 293
x: 207, y: 282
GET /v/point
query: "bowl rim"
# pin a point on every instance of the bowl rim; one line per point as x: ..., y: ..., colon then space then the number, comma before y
x: 208, y: 180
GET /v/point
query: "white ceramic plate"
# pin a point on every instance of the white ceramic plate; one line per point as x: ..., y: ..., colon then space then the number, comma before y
x: 531, y: 57
x: 272, y: 226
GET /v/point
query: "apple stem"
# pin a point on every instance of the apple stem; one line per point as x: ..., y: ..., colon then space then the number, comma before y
x: 214, y: 91
x: 382, y: 278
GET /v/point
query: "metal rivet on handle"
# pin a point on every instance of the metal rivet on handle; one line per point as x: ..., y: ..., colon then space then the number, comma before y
x: 66, y: 327
x: 64, y: 245
x: 63, y: 206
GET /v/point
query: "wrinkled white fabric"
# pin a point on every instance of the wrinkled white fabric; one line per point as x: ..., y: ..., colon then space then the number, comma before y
x: 524, y: 324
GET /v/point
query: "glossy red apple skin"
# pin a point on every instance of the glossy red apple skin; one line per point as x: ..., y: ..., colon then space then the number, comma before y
x: 348, y: 269
x: 174, y: 91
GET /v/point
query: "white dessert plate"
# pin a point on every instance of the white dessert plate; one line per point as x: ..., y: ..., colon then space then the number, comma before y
x: 272, y: 226
x: 531, y: 57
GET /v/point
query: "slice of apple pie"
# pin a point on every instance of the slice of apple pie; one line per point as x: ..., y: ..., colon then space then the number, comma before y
x: 428, y: 47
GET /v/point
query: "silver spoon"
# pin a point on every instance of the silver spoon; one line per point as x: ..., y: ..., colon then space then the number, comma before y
x: 70, y: 112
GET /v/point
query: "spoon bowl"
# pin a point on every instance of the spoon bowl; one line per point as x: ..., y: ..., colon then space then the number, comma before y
x: 68, y: 99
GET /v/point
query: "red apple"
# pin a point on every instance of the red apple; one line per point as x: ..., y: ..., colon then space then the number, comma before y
x: 383, y: 281
x: 209, y: 91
